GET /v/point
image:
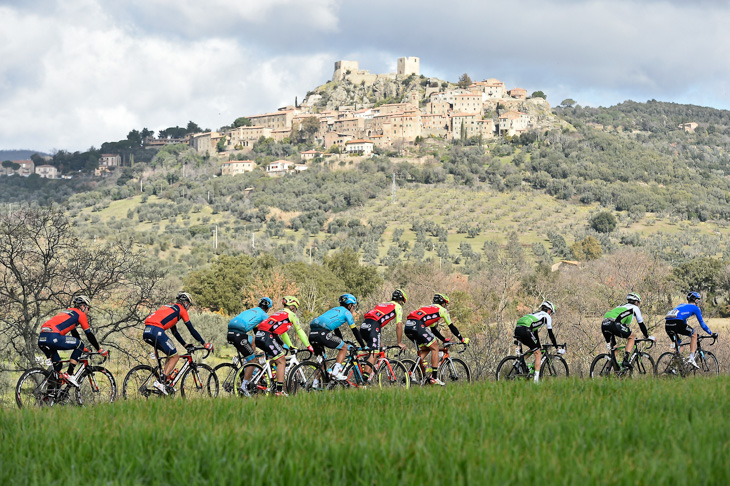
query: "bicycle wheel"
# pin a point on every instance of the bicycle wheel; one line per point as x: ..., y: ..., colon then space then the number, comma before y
x: 454, y: 371
x: 226, y: 375
x: 139, y: 383
x: 415, y: 373
x: 259, y: 384
x: 305, y: 377
x: 96, y: 385
x: 354, y: 378
x: 669, y: 365
x: 392, y: 374
x: 708, y: 364
x: 644, y: 365
x: 199, y: 381
x: 601, y: 367
x: 32, y: 389
x: 511, y: 368
x: 553, y: 367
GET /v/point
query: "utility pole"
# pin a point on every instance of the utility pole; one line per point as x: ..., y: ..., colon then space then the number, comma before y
x: 394, y: 189
x: 253, y: 240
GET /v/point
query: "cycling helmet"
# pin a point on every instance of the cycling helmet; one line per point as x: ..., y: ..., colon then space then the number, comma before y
x: 547, y: 305
x: 400, y: 295
x: 290, y: 301
x: 265, y: 303
x: 183, y: 297
x: 441, y: 299
x: 633, y: 297
x: 80, y: 300
x: 346, y: 299
x: 693, y: 296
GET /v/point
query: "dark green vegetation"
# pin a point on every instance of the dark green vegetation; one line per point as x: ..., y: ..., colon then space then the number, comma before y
x: 571, y: 432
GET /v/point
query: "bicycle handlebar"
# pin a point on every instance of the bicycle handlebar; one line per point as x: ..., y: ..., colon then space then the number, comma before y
x: 89, y: 355
x: 453, y: 343
x: 712, y: 336
x: 651, y: 341
x: 197, y: 348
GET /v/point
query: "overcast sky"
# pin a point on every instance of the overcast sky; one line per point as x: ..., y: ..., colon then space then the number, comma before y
x: 76, y: 73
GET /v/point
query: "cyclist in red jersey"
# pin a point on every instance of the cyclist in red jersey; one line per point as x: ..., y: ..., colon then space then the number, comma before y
x: 164, y: 318
x: 54, y: 332
x: 376, y: 319
x: 421, y: 328
x: 272, y: 337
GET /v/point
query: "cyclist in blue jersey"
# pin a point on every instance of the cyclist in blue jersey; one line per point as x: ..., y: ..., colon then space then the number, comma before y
x: 676, y: 323
x: 324, y: 332
x: 238, y: 334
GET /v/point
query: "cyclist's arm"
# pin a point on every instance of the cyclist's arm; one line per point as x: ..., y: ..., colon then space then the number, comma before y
x: 300, y: 332
x: 75, y: 334
x: 455, y: 332
x: 358, y: 336
x: 640, y: 321
x: 399, y: 332
x: 177, y: 335
x: 92, y: 338
x: 338, y: 333
x: 702, y: 322
x: 438, y: 334
x: 551, y: 335
x: 194, y: 333
x: 285, y: 338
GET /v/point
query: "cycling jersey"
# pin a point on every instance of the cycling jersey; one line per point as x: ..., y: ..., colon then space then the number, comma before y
x: 279, y: 323
x: 384, y: 313
x: 247, y: 320
x: 167, y: 316
x: 536, y: 320
x: 332, y: 319
x: 683, y: 312
x: 625, y: 314
x: 430, y: 315
x: 66, y: 321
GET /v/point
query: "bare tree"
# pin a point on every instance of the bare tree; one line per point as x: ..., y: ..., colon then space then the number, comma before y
x: 43, y: 264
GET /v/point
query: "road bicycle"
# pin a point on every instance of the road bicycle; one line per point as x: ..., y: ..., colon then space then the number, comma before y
x: 450, y: 370
x: 672, y: 363
x: 263, y: 374
x: 389, y: 372
x: 640, y: 362
x: 192, y: 380
x: 552, y: 365
x: 44, y: 387
x: 315, y: 375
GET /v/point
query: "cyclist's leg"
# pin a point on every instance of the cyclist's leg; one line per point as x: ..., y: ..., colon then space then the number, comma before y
x: 370, y: 331
x: 273, y: 350
x: 529, y: 339
x: 156, y: 337
x: 243, y: 343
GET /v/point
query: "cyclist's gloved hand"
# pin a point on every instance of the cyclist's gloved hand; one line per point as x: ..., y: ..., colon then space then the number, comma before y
x: 209, y: 347
x: 293, y: 350
x: 561, y: 350
x: 401, y: 345
x: 652, y: 338
x: 86, y: 350
x: 465, y: 340
x: 189, y: 348
x: 103, y: 352
x: 311, y: 349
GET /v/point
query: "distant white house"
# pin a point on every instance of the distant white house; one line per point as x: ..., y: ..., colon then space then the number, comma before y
x: 310, y: 154
x: 363, y: 147
x: 279, y: 167
x: 234, y: 167
x: 47, y: 171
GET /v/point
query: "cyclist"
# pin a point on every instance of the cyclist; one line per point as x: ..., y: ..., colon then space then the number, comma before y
x: 527, y: 329
x: 421, y: 328
x: 54, y: 332
x: 676, y: 323
x: 272, y: 337
x: 616, y: 323
x: 238, y: 334
x: 324, y: 332
x: 376, y: 319
x: 163, y: 319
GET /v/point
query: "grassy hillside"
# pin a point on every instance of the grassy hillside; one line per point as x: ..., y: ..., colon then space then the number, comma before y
x: 571, y: 432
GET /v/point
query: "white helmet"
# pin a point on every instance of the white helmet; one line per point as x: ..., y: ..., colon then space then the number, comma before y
x: 547, y: 305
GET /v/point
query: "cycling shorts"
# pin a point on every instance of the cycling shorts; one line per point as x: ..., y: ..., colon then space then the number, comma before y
x: 156, y: 337
x: 242, y: 341
x: 527, y: 336
x: 51, y: 342
x: 324, y: 338
x: 611, y: 328
x: 270, y: 343
x: 370, y: 331
x: 674, y: 327
x: 417, y: 332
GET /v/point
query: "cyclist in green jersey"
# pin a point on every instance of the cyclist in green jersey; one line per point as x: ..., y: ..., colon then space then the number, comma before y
x: 527, y: 329
x: 616, y: 323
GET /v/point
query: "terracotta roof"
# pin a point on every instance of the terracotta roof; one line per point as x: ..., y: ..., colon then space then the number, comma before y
x: 358, y: 141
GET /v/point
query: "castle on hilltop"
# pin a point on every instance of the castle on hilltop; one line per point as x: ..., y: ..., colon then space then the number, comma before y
x: 351, y: 70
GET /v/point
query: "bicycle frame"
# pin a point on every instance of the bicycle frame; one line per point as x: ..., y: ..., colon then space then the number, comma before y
x: 445, y: 357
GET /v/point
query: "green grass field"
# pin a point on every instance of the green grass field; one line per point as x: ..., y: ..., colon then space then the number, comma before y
x: 571, y: 432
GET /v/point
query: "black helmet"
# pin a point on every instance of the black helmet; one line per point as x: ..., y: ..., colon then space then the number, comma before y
x: 265, y: 303
x: 183, y: 297
x: 400, y: 295
x: 441, y: 299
